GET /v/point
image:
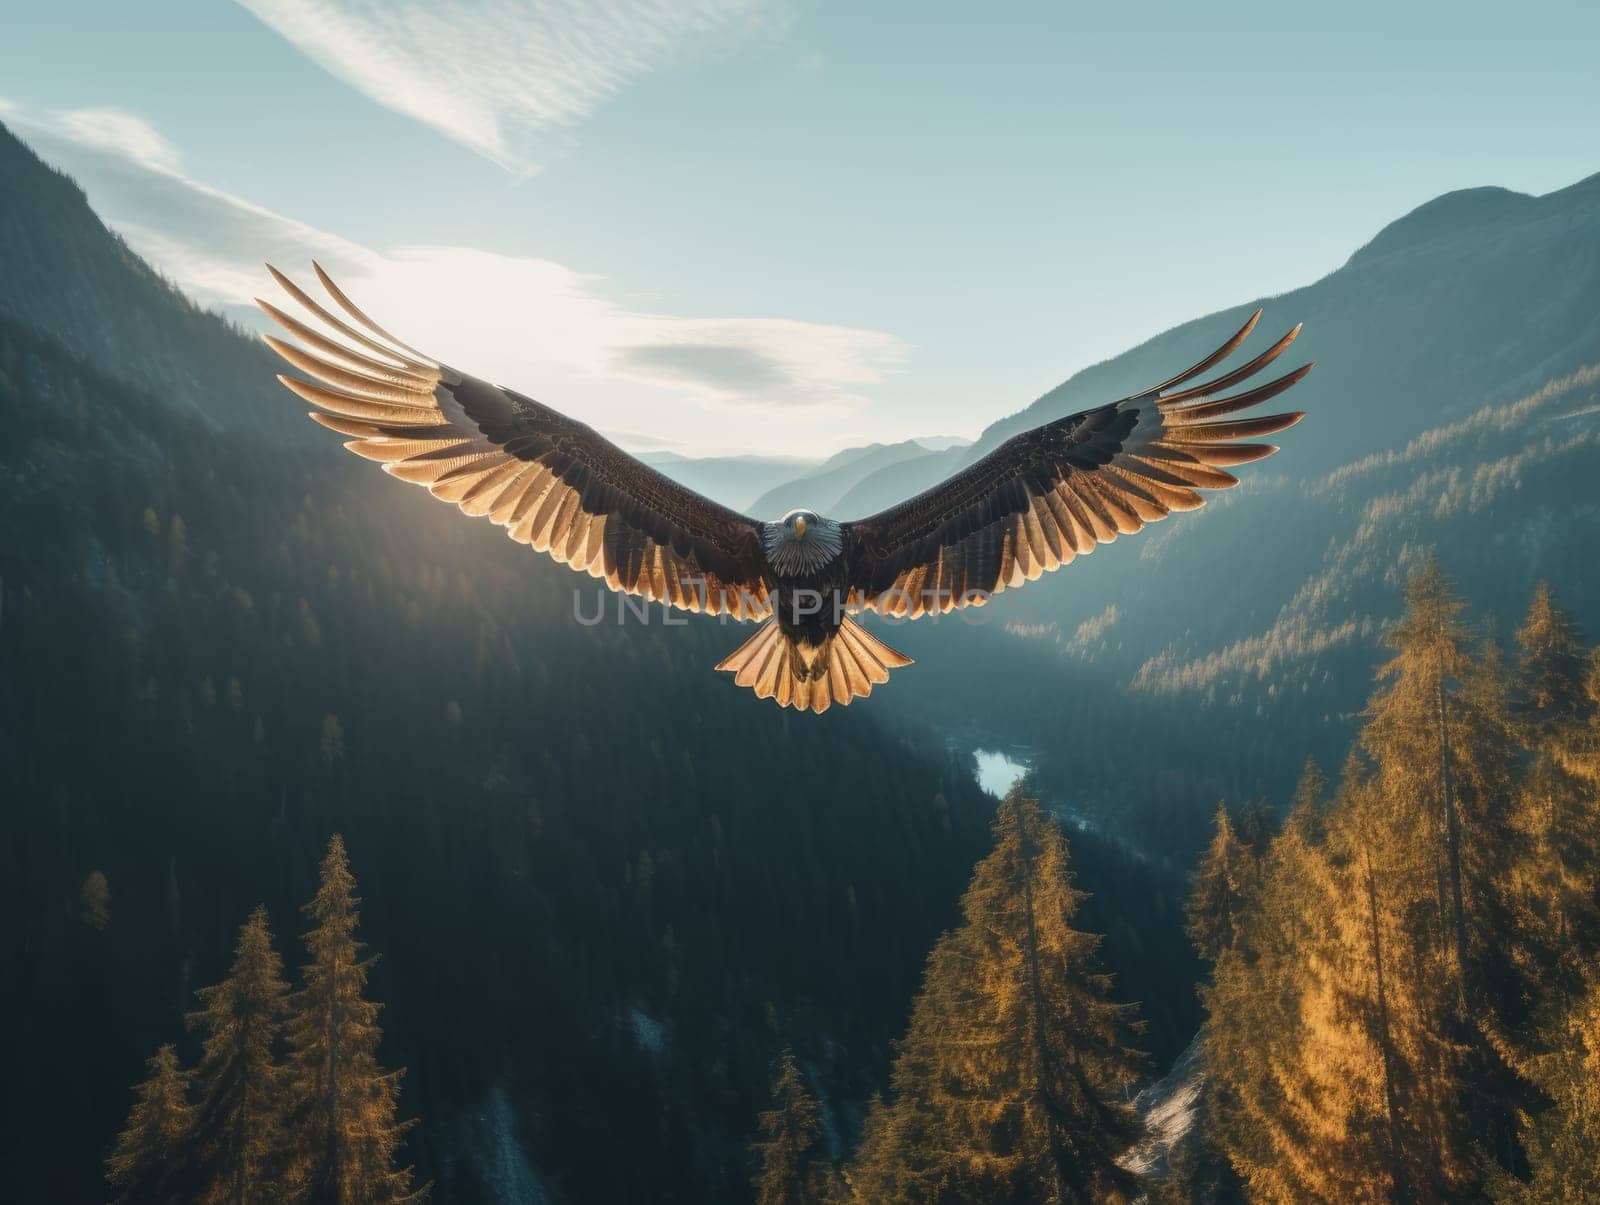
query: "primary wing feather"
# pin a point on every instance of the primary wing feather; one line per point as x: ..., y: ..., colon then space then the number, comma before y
x: 1051, y: 494
x: 550, y: 481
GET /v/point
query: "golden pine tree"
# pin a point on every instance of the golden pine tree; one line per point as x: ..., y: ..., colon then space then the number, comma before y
x: 1559, y: 808
x: 1329, y: 1077
x: 1439, y: 738
x: 1226, y: 922
x: 1009, y: 1084
x: 343, y: 1137
x: 1351, y: 1052
x: 792, y: 1169
x: 1306, y: 809
x: 1254, y: 1005
x: 150, y: 1147
x: 1219, y: 890
x: 1390, y: 1054
x: 1552, y: 666
x: 1258, y: 1109
x: 1367, y: 1032
x: 238, y: 1134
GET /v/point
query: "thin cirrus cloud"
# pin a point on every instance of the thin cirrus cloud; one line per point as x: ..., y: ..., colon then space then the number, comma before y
x: 515, y: 319
x: 493, y: 73
x: 210, y: 242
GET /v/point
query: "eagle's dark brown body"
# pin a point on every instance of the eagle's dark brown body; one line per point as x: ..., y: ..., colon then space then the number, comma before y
x: 1031, y: 505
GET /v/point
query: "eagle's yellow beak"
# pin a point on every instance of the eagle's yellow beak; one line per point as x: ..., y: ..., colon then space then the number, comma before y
x: 799, y: 527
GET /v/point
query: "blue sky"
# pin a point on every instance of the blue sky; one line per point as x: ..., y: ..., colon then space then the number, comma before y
x: 779, y: 226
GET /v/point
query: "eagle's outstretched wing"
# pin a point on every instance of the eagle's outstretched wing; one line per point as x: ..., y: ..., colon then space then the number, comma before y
x: 1052, y: 493
x: 548, y: 480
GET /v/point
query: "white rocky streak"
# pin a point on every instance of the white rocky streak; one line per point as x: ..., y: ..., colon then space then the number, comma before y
x: 1170, y: 1108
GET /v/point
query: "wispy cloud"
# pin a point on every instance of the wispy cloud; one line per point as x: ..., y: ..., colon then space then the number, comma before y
x: 531, y: 323
x: 116, y: 131
x: 209, y: 241
x: 489, y: 73
x: 752, y: 358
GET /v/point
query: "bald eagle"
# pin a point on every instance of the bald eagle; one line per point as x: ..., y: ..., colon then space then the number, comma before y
x: 1030, y: 506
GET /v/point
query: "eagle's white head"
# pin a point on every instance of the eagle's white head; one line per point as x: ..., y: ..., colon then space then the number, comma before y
x: 800, y: 542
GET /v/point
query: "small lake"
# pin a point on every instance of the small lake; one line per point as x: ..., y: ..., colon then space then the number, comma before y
x: 997, y: 771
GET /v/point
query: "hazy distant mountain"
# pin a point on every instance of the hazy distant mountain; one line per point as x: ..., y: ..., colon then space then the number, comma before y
x: 734, y: 481
x: 941, y: 443
x: 824, y: 488
x: 884, y: 484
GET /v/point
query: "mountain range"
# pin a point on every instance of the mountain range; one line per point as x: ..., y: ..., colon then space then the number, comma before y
x: 1477, y: 296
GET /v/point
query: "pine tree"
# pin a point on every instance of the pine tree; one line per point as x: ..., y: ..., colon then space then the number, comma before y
x: 1391, y: 1054
x: 1255, y: 1034
x: 1218, y: 890
x: 1557, y: 817
x: 1558, y: 886
x: 1385, y: 925
x: 1008, y: 1084
x: 1262, y: 942
x: 1552, y: 666
x: 150, y: 1146
x: 1329, y: 1077
x: 1306, y: 809
x: 238, y: 1133
x: 1439, y: 735
x: 343, y: 1137
x: 789, y: 1149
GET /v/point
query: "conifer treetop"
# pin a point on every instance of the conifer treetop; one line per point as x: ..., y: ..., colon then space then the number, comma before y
x: 790, y: 1168
x: 1553, y: 665
x: 160, y: 1122
x: 340, y: 1102
x: 1011, y: 1081
x: 238, y: 1127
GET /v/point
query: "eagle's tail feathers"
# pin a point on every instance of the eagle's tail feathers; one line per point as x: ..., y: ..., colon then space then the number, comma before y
x: 747, y: 661
x: 848, y: 665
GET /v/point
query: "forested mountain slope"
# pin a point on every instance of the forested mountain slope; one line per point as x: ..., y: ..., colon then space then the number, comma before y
x: 606, y: 886
x: 66, y: 276
x: 214, y: 658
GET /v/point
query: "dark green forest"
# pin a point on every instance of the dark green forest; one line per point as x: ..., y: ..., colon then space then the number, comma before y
x: 211, y: 667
